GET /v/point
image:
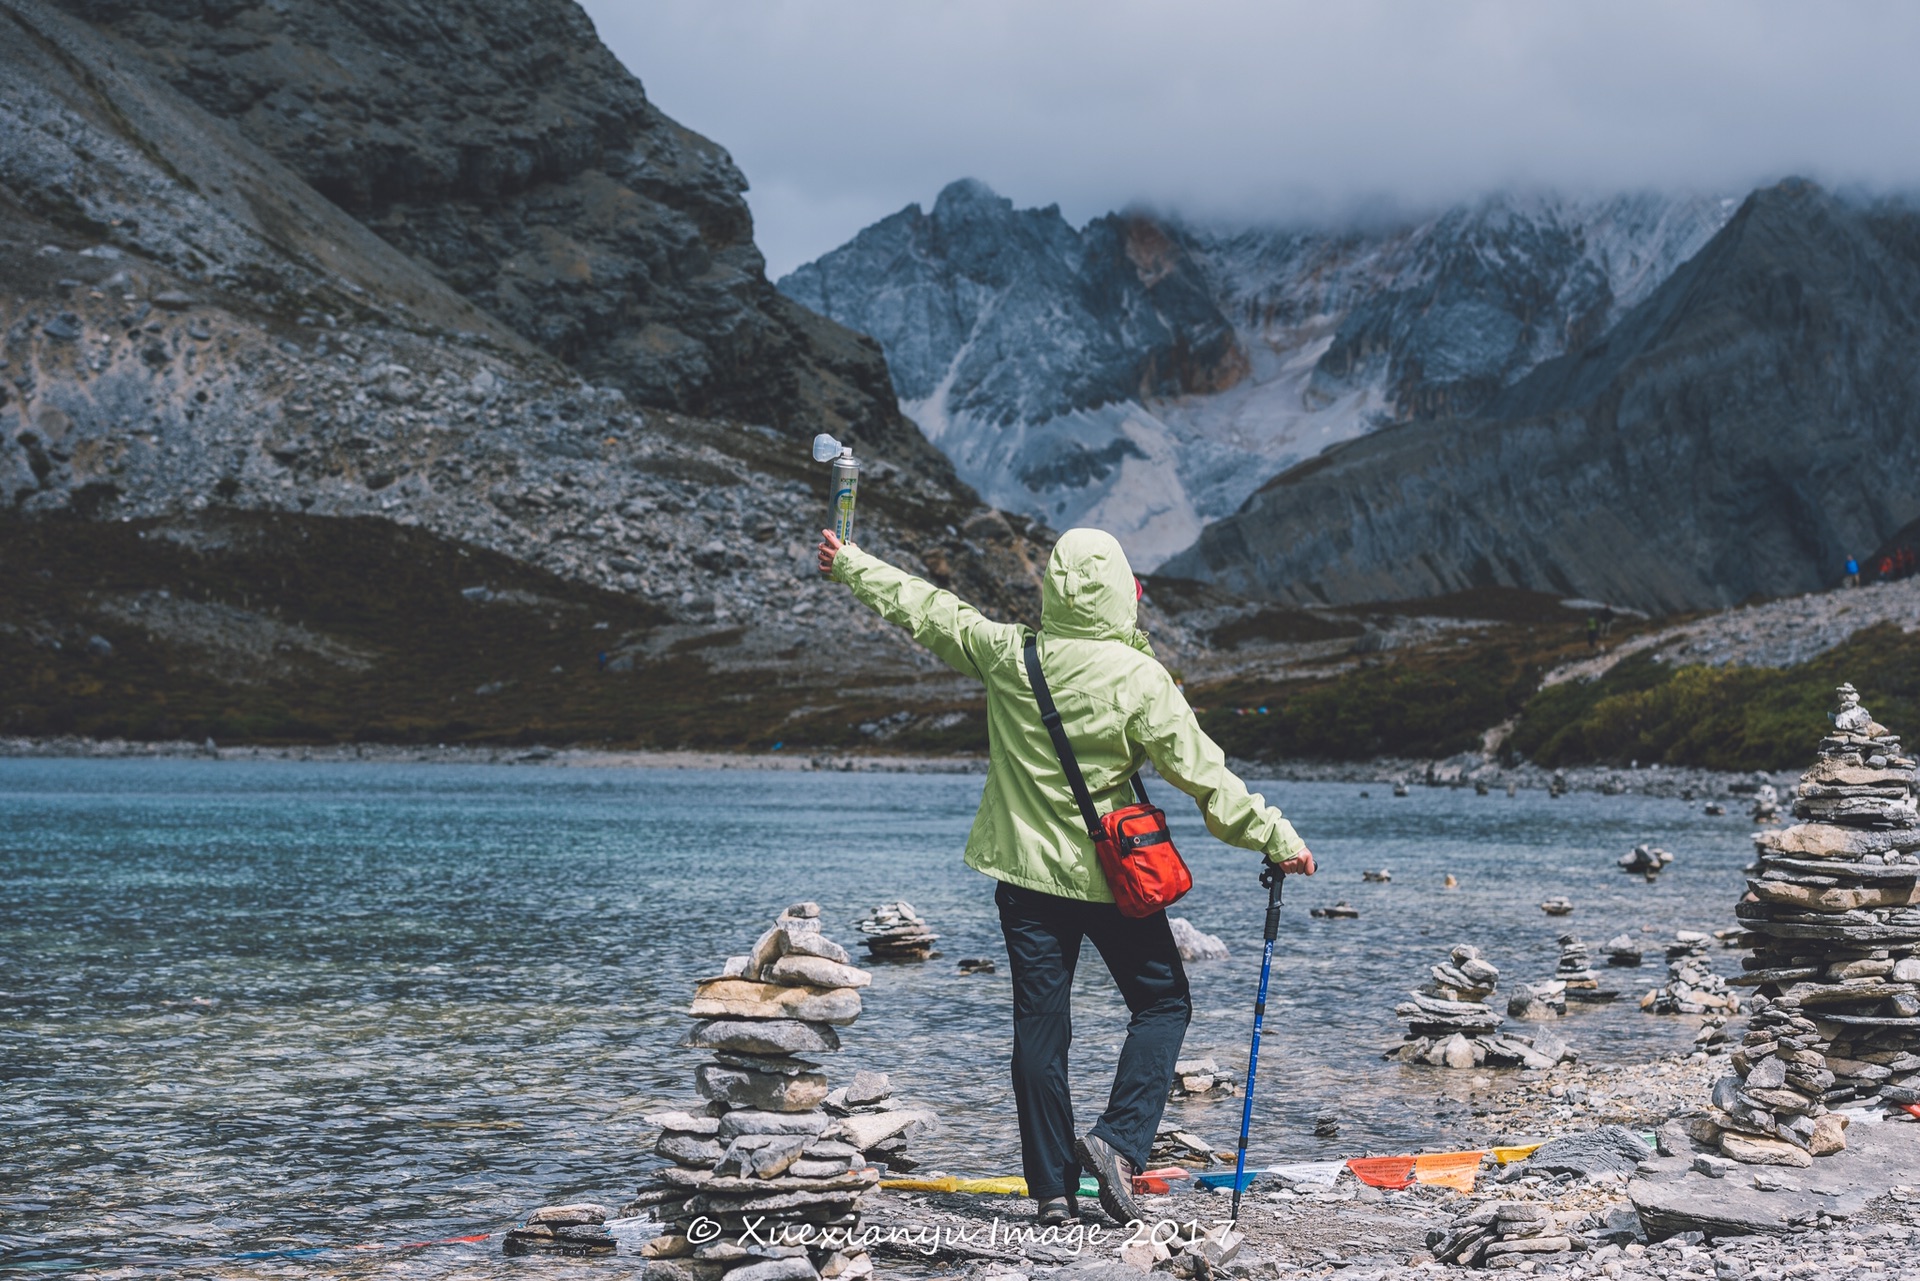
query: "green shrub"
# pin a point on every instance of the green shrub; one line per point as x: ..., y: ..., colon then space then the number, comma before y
x: 1402, y: 709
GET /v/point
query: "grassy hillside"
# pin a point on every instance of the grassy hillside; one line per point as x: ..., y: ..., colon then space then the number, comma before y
x: 264, y: 628
x: 1720, y: 717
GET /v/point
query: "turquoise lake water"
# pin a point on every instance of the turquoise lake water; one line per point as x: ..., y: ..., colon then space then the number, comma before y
x: 260, y: 1006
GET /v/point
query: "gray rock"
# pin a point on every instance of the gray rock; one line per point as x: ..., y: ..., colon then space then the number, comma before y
x: 867, y: 1088
x: 565, y: 1215
x: 1192, y: 944
x: 741, y: 1121
x: 740, y: 1088
x: 1714, y: 1167
x: 817, y: 971
x: 789, y: 1269
x: 688, y: 1149
x: 868, y: 1130
x: 1768, y: 1074
x: 1611, y: 1149
x: 775, y: 1065
x: 762, y: 1156
x: 764, y: 1036
x: 685, y: 1122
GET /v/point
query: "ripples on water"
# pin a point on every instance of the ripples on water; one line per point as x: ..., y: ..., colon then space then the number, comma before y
x: 274, y: 1005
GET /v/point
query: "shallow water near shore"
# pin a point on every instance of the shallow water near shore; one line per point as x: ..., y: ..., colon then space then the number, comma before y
x: 267, y: 1006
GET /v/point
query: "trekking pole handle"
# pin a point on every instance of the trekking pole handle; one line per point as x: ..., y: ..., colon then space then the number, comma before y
x: 1274, y: 879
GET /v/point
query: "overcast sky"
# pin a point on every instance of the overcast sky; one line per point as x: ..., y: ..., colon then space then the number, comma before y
x: 842, y: 111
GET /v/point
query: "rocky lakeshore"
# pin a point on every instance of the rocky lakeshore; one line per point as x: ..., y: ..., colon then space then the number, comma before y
x: 1680, y: 784
x: 1576, y: 1208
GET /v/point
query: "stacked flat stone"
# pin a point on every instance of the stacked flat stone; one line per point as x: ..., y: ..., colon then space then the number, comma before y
x: 1645, y: 860
x: 1833, y: 915
x: 1504, y: 1234
x: 575, y: 1230
x: 895, y: 932
x: 762, y: 1149
x: 872, y: 1121
x: 1766, y: 803
x: 1450, y: 1024
x: 1173, y: 1144
x: 1691, y: 987
x: 1575, y: 970
x: 1772, y: 1110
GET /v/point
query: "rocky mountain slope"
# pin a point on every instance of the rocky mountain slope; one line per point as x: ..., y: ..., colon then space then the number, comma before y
x: 1739, y: 432
x: 1146, y: 374
x: 192, y: 335
x: 501, y: 144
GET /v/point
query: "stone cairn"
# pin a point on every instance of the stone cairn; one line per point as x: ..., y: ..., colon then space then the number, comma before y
x: 895, y: 932
x: 1774, y: 1111
x: 1504, y: 1234
x: 575, y: 1230
x: 1558, y: 905
x: 1575, y: 970
x: 1833, y: 922
x: 1692, y: 987
x: 1645, y: 860
x: 1622, y: 950
x: 1202, y: 1079
x: 1538, y: 1001
x: 1573, y: 980
x: 1450, y: 1024
x: 763, y: 1148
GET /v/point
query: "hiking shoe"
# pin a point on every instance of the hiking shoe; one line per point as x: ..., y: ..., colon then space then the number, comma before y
x: 1115, y: 1174
x: 1058, y: 1211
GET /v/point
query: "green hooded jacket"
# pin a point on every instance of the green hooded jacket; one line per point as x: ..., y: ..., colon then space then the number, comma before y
x: 1119, y: 705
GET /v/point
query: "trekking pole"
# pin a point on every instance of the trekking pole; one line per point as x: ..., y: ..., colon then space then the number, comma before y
x: 1273, y: 878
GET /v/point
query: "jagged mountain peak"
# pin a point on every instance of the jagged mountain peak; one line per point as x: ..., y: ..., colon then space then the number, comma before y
x: 968, y: 197
x: 1737, y: 432
x: 1146, y: 372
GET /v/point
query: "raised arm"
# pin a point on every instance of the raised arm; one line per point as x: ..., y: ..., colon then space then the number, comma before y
x: 955, y: 631
x: 1166, y: 727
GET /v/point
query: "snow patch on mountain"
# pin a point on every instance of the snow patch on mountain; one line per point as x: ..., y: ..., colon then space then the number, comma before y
x: 1147, y: 375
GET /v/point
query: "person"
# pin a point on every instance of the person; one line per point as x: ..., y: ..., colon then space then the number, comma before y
x: 1886, y: 569
x: 1593, y: 633
x: 1606, y: 620
x: 1120, y: 709
x: 1853, y: 573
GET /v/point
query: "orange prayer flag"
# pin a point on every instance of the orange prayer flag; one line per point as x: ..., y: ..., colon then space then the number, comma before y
x: 1449, y: 1169
x: 1383, y: 1171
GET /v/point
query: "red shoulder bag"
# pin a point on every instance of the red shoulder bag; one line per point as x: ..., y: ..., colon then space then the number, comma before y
x: 1144, y: 871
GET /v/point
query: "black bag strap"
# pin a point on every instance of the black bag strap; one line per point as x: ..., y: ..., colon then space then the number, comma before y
x: 1050, y: 717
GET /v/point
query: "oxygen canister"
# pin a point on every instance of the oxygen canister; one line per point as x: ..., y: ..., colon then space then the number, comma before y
x: 846, y: 488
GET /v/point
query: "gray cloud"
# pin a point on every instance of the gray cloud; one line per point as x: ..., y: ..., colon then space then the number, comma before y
x: 841, y: 111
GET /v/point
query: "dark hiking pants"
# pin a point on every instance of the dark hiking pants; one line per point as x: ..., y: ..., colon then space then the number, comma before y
x: 1043, y: 933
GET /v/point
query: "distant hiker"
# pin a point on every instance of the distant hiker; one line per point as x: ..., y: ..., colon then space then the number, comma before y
x: 1593, y: 633
x: 1853, y: 573
x: 1606, y: 620
x: 1120, y: 709
x: 1904, y: 562
x: 1886, y: 569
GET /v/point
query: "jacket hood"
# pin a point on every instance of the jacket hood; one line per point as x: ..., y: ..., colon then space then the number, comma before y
x: 1089, y: 590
